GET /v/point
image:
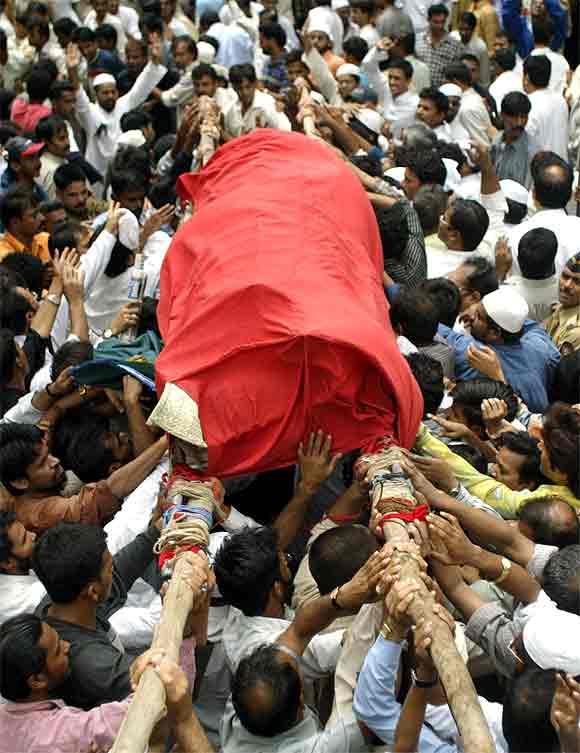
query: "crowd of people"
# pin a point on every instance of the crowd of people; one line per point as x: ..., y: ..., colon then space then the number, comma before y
x: 461, y: 121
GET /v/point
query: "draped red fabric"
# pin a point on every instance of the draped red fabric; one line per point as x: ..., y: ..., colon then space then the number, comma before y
x: 272, y: 309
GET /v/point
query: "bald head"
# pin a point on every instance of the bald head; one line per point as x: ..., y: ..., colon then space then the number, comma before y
x: 550, y: 521
x: 553, y: 180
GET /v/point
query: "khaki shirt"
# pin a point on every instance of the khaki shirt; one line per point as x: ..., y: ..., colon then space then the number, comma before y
x: 563, y: 326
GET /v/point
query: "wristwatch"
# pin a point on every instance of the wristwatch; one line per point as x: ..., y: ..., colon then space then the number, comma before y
x: 506, y: 566
x: 108, y: 333
x: 423, y: 683
x: 53, y: 298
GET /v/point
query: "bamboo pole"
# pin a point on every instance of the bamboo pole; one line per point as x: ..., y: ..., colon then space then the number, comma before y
x: 453, y: 673
x: 148, y: 704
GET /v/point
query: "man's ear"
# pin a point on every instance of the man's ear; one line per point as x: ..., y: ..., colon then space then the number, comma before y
x: 38, y: 682
x: 92, y: 592
x: 21, y: 484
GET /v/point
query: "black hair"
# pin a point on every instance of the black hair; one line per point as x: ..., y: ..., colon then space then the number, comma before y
x: 428, y: 373
x: 18, y: 450
x: 469, y: 18
x: 8, y: 355
x: 439, y: 99
x: 47, y: 128
x: 65, y: 27
x: 469, y: 56
x: 416, y: 315
x: 538, y: 68
x: 446, y: 295
x: 458, y: 72
x: 70, y: 353
x: 525, y: 445
x: 516, y: 103
x: 526, y: 712
x: 402, y: 65
x: 430, y: 202
x: 471, y: 221
x: 84, y: 34
x: 64, y: 235
x: 52, y: 205
x: 188, y: 41
x: 452, y: 151
x: 210, y: 40
x: 161, y: 193
x: 542, y: 518
x: 505, y: 59
x: 14, y: 307
x: 243, y: 72
x: 30, y: 267
x: 281, y: 687
x: 135, y: 120
x: 337, y: 555
x: 427, y: 165
x: 14, y: 204
x: 553, y: 179
x: 151, y: 23
x: 66, y: 174
x: 148, y: 317
x: 67, y: 557
x: 246, y: 567
x: 369, y: 165
x: 203, y: 69
x: 274, y: 31
x: 543, y: 28
x: 106, y: 32
x: 59, y: 88
x: 123, y: 181
x: 356, y: 47
x: 393, y: 230
x: 20, y: 655
x: 38, y: 84
x: 73, y: 435
x: 516, y: 212
x: 437, y: 10
x: 482, y: 278
x: 566, y: 382
x: 537, y: 251
x: 135, y: 163
x: 471, y: 392
x: 473, y: 455
x: 561, y: 578
x: 38, y: 22
x: 407, y: 42
x: 561, y: 435
x: 7, y: 520
x: 7, y: 97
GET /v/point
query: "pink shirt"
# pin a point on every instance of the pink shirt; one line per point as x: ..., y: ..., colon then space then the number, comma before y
x: 26, y: 115
x: 52, y: 727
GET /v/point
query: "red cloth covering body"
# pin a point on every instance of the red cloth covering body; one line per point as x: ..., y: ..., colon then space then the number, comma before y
x: 272, y: 310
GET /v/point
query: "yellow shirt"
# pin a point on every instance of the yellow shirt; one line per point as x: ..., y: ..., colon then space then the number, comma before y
x: 563, y: 326
x: 503, y: 499
x: 9, y: 244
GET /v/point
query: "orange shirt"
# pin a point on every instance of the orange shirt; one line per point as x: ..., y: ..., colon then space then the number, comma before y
x: 9, y: 244
x: 333, y: 61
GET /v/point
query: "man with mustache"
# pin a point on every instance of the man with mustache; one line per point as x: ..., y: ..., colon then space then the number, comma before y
x: 513, y: 149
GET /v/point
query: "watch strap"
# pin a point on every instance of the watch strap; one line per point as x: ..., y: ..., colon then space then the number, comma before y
x: 423, y: 683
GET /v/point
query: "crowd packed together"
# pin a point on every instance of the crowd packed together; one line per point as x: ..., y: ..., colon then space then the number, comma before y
x: 461, y: 121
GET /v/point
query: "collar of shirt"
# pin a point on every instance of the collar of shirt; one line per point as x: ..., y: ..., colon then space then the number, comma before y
x: 21, y: 709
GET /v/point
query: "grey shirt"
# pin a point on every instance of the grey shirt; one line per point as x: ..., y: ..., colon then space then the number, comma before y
x: 512, y: 161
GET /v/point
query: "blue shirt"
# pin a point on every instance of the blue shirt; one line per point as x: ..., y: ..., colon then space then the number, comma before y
x: 375, y: 704
x: 528, y: 366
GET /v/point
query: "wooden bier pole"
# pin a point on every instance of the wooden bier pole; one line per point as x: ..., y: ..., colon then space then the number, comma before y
x: 391, y: 492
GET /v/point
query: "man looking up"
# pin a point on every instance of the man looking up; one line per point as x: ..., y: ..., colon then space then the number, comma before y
x: 563, y: 325
x: 102, y: 120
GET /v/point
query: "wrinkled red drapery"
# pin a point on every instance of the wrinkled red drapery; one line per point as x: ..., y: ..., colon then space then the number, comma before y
x: 272, y: 310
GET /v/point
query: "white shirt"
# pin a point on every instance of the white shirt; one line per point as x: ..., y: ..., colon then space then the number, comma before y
x: 506, y: 82
x: 154, y: 252
x: 242, y: 635
x: 560, y: 68
x: 398, y: 111
x: 539, y: 294
x: 458, y: 132
x: 548, y: 121
x: 129, y: 19
x: 369, y: 34
x: 564, y: 226
x: 262, y: 112
x: 104, y: 128
x: 236, y: 47
x: 115, y: 21
x: 474, y: 117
